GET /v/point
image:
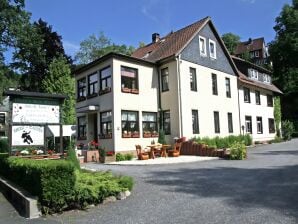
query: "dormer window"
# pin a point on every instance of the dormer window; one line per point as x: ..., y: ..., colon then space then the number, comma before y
x: 212, y: 49
x: 202, y: 42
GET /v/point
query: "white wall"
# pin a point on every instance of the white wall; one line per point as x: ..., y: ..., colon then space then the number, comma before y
x: 254, y: 110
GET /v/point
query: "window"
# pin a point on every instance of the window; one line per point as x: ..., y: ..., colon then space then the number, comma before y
x: 149, y: 123
x: 259, y: 125
x: 228, y: 88
x: 216, y: 122
x: 246, y: 93
x: 269, y: 100
x: 2, y: 118
x: 82, y: 88
x: 251, y: 54
x: 130, y: 123
x: 2, y: 133
x: 212, y: 49
x: 129, y: 78
x: 230, y: 122
x: 195, y: 122
x: 82, y: 128
x: 105, y: 79
x: 271, y: 125
x: 165, y: 79
x: 257, y: 54
x: 106, y: 124
x: 214, y: 84
x: 258, y: 99
x: 92, y: 84
x: 202, y: 41
x: 167, y: 122
x: 193, y: 79
x: 248, y: 125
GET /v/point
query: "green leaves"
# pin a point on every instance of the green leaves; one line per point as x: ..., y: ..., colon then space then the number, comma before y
x: 231, y: 40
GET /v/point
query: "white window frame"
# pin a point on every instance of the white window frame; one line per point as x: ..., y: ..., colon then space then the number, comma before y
x: 214, y: 43
x: 257, y: 54
x: 205, y: 46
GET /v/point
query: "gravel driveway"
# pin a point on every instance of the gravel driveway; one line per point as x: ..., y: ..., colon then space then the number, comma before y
x: 262, y: 189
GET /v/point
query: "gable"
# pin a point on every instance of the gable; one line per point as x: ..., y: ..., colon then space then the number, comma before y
x: 191, y: 52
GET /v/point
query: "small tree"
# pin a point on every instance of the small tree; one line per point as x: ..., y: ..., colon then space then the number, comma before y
x: 161, y: 137
x: 287, y: 129
x: 277, y: 114
x: 72, y: 157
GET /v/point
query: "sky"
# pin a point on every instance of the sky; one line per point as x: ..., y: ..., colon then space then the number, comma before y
x: 132, y: 21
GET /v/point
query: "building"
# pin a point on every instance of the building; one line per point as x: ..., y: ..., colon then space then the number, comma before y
x: 4, y: 109
x: 256, y: 50
x: 256, y: 93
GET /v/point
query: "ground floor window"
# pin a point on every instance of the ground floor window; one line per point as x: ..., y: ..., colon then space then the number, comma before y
x: 167, y: 122
x: 106, y: 124
x: 82, y: 131
x: 216, y: 122
x: 248, y: 125
x: 195, y: 122
x: 230, y: 122
x: 259, y: 125
x: 149, y: 122
x: 271, y: 125
x: 130, y: 124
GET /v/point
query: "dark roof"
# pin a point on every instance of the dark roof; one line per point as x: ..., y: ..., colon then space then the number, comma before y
x: 259, y: 68
x: 15, y: 93
x: 253, y: 45
x: 108, y: 56
x: 170, y: 44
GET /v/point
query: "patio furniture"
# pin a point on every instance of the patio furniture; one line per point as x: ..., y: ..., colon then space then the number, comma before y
x: 175, y: 152
x: 141, y: 155
x: 155, y: 149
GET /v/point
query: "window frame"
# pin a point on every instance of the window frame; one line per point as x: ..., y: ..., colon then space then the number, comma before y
x: 81, y: 93
x: 248, y: 91
x: 214, y: 84
x: 204, y: 54
x: 153, y: 133
x: 106, y: 132
x: 130, y: 89
x: 259, y: 125
x: 166, y: 76
x: 92, y: 84
x: 269, y: 102
x: 216, y: 122
x: 230, y: 122
x: 130, y: 132
x: 228, y: 87
x: 195, y: 118
x: 214, y: 54
x: 193, y: 79
x: 167, y: 131
x: 105, y: 79
x: 2, y: 118
x: 271, y: 130
x: 82, y: 128
x: 258, y: 102
x: 250, y: 122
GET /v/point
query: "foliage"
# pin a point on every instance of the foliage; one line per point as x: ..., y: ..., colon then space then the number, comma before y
x: 276, y: 139
x: 126, y: 182
x: 161, y: 137
x: 287, y: 129
x: 58, y: 80
x: 102, y: 153
x: 4, y: 147
x: 231, y: 40
x: 123, y: 157
x: 95, y: 46
x: 237, y: 151
x: 72, y: 157
x: 277, y: 114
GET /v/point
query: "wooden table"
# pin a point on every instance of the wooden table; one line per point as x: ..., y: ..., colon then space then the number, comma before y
x: 162, y: 148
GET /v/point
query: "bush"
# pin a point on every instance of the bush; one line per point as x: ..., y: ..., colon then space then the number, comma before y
x: 161, y: 137
x: 126, y: 182
x: 123, y: 157
x: 72, y: 157
x: 237, y: 151
x: 287, y: 129
x: 4, y: 147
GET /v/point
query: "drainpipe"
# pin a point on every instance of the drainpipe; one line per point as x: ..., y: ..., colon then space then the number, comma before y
x: 239, y: 108
x: 179, y: 97
x: 159, y: 98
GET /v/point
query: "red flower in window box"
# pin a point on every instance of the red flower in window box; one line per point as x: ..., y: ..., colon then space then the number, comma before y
x: 110, y: 153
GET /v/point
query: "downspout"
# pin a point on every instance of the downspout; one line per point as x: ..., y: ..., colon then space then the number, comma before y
x: 179, y: 97
x: 239, y: 108
x: 159, y: 99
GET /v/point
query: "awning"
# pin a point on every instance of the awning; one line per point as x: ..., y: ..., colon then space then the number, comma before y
x: 86, y: 109
x: 54, y: 130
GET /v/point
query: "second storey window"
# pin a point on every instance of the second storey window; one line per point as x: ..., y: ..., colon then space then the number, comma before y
x: 259, y: 125
x: 195, y: 122
x: 106, y: 124
x: 149, y: 123
x: 248, y: 125
x: 2, y: 118
x: 269, y: 101
x: 105, y: 79
x: 82, y: 131
x: 216, y: 122
x: 167, y: 122
x: 258, y: 98
x: 165, y: 79
x: 193, y: 79
x: 214, y: 84
x: 228, y: 88
x: 82, y: 88
x: 92, y: 84
x: 130, y: 123
x: 212, y: 49
x: 246, y: 93
x: 129, y: 78
x: 202, y: 42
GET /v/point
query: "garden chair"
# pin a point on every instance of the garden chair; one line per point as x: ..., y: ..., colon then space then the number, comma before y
x: 175, y: 152
x: 141, y: 155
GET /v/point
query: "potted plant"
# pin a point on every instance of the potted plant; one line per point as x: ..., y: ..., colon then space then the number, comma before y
x: 102, y: 155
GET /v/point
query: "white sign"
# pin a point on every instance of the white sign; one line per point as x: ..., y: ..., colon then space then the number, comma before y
x: 35, y: 113
x: 27, y: 135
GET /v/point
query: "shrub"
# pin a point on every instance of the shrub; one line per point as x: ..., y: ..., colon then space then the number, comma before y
x: 276, y: 139
x: 128, y: 156
x: 4, y: 147
x: 287, y: 129
x: 237, y: 151
x: 247, y: 139
x: 123, y: 157
x: 161, y: 137
x: 126, y: 182
x: 72, y: 157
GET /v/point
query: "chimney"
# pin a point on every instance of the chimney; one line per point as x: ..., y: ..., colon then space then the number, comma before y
x: 155, y: 37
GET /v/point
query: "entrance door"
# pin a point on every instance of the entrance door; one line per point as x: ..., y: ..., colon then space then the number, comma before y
x: 95, y: 131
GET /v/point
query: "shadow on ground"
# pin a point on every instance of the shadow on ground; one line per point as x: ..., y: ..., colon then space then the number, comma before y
x: 274, y: 188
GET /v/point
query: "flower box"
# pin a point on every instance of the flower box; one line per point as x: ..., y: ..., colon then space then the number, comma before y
x: 81, y: 98
x: 135, y: 91
x: 126, y: 90
x: 90, y: 155
x: 147, y: 135
x: 154, y: 135
x: 105, y: 136
x: 135, y: 135
x: 126, y: 135
x: 104, y: 91
x: 92, y: 95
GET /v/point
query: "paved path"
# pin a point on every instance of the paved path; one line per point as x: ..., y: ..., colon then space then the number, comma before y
x: 262, y: 189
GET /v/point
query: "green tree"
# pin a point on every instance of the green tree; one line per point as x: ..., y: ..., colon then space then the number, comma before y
x: 231, y: 40
x: 95, y: 46
x: 59, y: 80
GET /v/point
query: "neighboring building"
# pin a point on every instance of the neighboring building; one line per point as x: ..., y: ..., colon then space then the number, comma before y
x: 256, y: 93
x: 256, y: 48
x: 184, y: 83
x: 4, y: 109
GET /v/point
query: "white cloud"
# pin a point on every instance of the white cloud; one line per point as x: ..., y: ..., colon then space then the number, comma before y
x: 70, y: 48
x: 146, y: 10
x: 249, y: 1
